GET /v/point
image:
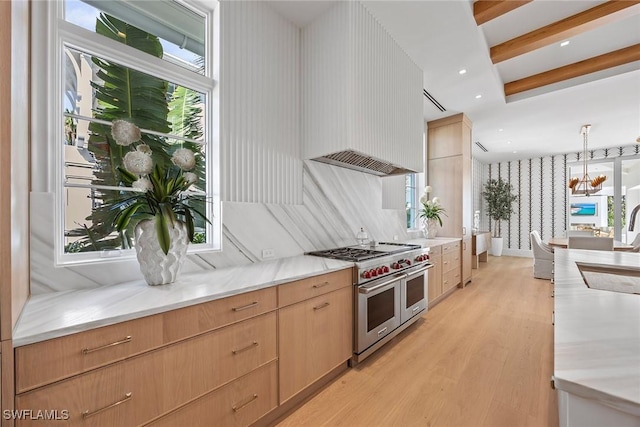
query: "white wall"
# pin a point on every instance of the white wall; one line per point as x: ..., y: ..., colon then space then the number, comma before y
x: 543, y: 197
x: 260, y: 105
x: 299, y: 206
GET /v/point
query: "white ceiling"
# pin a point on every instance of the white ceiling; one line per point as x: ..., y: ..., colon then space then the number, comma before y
x: 442, y: 37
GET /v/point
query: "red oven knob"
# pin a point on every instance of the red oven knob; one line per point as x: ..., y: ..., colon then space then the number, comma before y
x: 366, y: 275
x: 373, y: 272
x: 385, y: 269
x: 395, y: 266
x: 408, y: 262
x: 380, y: 270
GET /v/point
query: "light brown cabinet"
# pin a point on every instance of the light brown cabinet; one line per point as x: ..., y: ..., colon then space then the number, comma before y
x: 451, y: 266
x: 466, y: 260
x: 447, y: 271
x: 435, y: 277
x: 449, y: 175
x: 136, y: 390
x: 48, y: 361
x: 214, y: 363
x: 315, y: 337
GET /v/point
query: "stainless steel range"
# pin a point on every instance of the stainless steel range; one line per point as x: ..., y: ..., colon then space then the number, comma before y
x: 390, y: 290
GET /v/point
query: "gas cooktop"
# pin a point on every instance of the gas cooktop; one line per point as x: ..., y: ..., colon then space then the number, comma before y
x: 360, y: 253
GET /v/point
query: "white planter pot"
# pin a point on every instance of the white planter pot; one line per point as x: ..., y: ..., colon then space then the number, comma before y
x: 430, y: 230
x: 496, y: 246
x: 156, y: 267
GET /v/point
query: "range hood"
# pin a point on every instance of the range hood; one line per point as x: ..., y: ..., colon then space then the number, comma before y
x: 351, y: 159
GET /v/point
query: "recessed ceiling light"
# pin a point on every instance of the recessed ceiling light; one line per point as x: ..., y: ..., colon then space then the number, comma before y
x: 508, y: 142
x: 564, y: 43
x: 463, y: 71
x: 478, y: 96
x: 514, y: 152
x: 500, y: 130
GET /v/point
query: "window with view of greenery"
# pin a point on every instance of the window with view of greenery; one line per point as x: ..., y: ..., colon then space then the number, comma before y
x: 411, y: 200
x: 165, y: 89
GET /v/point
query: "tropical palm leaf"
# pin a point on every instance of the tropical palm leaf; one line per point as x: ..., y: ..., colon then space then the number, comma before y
x: 122, y: 93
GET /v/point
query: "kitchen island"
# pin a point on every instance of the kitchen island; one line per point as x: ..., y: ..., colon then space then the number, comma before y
x: 596, y: 344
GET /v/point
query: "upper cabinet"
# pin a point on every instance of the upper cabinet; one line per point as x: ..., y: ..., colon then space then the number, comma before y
x: 362, y: 95
x: 449, y: 172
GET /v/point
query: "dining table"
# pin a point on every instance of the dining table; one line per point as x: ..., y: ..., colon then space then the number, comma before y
x: 563, y: 242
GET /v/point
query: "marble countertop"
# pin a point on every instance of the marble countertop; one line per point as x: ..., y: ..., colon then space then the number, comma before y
x: 596, y: 333
x: 426, y: 243
x: 56, y: 314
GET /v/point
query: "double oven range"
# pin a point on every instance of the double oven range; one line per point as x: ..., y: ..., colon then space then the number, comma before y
x: 390, y: 291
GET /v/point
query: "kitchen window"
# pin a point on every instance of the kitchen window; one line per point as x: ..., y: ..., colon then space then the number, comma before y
x: 411, y: 201
x: 152, y: 63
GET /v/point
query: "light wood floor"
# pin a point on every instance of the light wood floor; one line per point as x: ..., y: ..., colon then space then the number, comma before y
x: 482, y: 357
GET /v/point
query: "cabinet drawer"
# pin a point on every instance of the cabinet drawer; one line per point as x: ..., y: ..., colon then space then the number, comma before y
x: 87, y: 394
x: 304, y: 289
x: 189, y: 321
x: 450, y: 247
x: 435, y: 250
x: 450, y: 261
x: 48, y: 361
x: 239, y: 403
x: 159, y: 381
x: 450, y: 279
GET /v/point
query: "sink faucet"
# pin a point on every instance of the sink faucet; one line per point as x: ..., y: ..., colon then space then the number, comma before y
x: 632, y: 218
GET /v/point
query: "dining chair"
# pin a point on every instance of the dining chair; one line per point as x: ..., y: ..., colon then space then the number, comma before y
x: 542, y: 257
x: 594, y: 243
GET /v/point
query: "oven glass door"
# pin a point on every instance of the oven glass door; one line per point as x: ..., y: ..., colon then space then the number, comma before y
x: 414, y: 294
x: 378, y: 311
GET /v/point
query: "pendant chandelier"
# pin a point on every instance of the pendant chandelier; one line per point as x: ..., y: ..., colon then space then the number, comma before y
x: 585, y: 185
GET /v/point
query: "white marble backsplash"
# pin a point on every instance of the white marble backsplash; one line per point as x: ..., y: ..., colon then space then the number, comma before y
x: 336, y: 203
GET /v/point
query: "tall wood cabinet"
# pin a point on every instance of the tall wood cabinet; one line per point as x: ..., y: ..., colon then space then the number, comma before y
x: 449, y: 175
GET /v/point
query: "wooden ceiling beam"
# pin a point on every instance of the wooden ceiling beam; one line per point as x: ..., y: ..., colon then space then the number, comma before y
x: 485, y: 10
x: 561, y: 30
x: 588, y: 66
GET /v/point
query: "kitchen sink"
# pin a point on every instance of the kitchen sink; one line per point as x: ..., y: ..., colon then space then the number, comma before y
x: 610, y: 277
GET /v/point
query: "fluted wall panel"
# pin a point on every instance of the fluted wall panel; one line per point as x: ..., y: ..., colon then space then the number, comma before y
x: 361, y: 90
x: 260, y: 105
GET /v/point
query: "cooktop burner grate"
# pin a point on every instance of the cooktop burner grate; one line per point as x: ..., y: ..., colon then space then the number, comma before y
x: 349, y: 254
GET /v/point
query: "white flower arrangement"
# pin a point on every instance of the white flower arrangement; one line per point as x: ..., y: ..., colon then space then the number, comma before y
x: 161, y: 189
x: 125, y: 133
x: 431, y: 209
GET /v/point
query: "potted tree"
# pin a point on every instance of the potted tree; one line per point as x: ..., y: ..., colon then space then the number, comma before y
x: 497, y: 194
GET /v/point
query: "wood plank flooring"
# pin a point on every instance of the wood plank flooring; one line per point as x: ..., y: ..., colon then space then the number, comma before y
x: 482, y: 357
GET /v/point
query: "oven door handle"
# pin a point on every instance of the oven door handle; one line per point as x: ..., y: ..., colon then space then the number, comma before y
x: 420, y: 270
x: 366, y: 290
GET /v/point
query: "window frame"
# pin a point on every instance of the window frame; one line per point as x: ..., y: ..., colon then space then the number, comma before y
x: 414, y: 185
x: 50, y: 34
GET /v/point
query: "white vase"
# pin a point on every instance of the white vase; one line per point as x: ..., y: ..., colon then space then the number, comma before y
x: 156, y: 267
x: 430, y: 229
x: 496, y: 246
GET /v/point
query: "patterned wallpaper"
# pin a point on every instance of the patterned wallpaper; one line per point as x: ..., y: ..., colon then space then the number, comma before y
x: 540, y: 184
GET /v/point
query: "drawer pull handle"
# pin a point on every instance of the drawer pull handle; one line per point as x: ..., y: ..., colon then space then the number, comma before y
x: 102, y: 347
x: 244, y: 307
x: 87, y: 413
x: 240, y: 350
x: 320, y: 285
x: 323, y: 305
x: 236, y: 408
